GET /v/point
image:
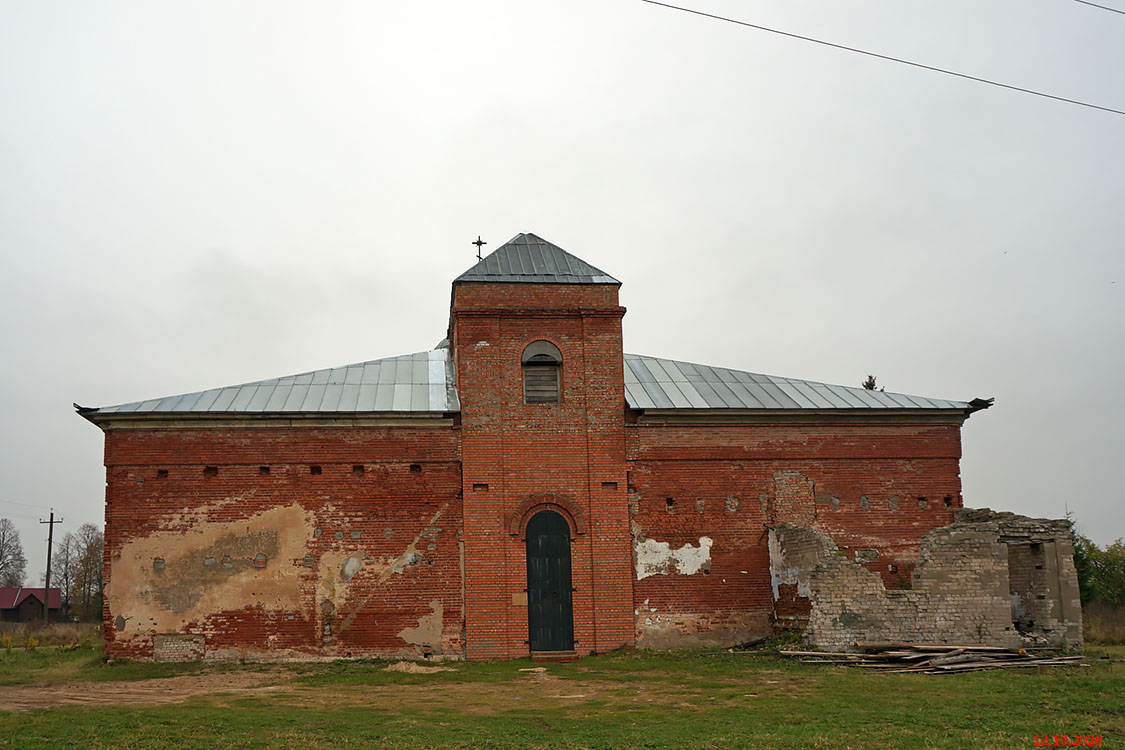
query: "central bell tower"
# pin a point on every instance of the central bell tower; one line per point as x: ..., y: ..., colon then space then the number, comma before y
x: 535, y: 336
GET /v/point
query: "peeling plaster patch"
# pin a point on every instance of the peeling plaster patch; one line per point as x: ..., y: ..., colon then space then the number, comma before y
x: 185, y: 592
x: 383, y: 569
x: 351, y: 566
x: 866, y: 555
x: 428, y: 632
x: 187, y: 521
x: 658, y: 558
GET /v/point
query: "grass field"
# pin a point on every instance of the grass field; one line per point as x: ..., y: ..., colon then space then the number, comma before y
x: 631, y: 700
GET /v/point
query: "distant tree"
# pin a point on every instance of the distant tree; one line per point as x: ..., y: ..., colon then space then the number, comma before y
x: 1111, y: 573
x: 1084, y: 553
x: 63, y: 568
x: 1101, y: 572
x: 13, y: 565
x: 870, y: 384
x: 87, y: 581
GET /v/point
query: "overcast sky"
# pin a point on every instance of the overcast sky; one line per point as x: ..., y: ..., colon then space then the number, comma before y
x: 206, y: 193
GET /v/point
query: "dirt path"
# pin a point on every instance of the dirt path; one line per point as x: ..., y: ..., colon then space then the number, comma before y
x: 140, y: 692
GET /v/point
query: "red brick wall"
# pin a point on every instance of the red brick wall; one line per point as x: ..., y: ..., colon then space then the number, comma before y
x: 514, y: 451
x: 421, y: 553
x: 171, y: 526
x: 730, y: 482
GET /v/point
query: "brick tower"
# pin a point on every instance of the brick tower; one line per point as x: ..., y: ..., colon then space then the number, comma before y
x: 535, y: 335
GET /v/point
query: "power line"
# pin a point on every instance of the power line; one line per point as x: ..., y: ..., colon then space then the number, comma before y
x: 1103, y: 7
x: 886, y: 57
x: 16, y: 502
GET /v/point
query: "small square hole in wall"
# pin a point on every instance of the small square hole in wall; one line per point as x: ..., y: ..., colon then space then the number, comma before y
x: 480, y: 487
x: 210, y: 471
x: 264, y: 470
x: 358, y: 469
x: 161, y: 473
x: 669, y: 505
x: 948, y: 501
x: 609, y: 485
x: 415, y: 468
x: 315, y: 470
x: 923, y: 503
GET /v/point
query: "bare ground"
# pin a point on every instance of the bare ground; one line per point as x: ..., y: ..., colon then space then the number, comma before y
x: 140, y: 692
x: 533, y: 687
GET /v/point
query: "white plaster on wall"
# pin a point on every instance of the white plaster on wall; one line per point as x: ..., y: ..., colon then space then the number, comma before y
x: 659, y: 559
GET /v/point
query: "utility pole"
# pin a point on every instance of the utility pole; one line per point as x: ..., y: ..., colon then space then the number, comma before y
x: 47, y: 582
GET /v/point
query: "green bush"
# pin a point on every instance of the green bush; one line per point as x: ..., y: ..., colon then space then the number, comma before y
x: 1101, y: 571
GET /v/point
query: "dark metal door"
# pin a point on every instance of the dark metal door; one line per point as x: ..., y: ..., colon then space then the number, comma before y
x: 550, y: 617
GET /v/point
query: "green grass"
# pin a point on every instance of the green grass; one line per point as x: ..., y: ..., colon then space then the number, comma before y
x: 627, y: 699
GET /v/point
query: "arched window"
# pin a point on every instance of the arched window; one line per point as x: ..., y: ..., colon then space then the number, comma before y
x: 541, y: 362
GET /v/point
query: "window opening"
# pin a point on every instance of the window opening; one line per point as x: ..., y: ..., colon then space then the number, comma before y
x: 541, y: 364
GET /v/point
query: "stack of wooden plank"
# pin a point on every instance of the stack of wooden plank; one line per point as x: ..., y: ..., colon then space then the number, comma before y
x: 935, y: 658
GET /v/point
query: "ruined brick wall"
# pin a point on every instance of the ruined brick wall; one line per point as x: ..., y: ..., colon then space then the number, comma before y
x: 721, y: 485
x: 1042, y: 580
x: 959, y: 590
x: 518, y: 457
x: 283, y: 542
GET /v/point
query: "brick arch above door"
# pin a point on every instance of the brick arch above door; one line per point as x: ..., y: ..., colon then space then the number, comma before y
x: 564, y: 506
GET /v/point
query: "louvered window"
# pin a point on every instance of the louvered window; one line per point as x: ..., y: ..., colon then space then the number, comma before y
x: 542, y: 363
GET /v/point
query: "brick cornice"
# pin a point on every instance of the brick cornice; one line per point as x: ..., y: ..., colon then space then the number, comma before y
x: 537, y: 312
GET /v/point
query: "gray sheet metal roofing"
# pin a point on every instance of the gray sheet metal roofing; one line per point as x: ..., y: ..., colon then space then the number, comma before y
x: 424, y: 382
x: 653, y: 383
x: 528, y: 258
x: 421, y: 382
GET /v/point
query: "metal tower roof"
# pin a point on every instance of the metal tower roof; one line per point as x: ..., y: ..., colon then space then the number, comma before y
x: 530, y: 259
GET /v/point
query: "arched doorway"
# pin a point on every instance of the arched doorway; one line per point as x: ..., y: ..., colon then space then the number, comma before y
x: 550, y: 615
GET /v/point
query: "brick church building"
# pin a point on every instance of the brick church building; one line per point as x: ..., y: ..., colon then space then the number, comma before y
x: 524, y: 488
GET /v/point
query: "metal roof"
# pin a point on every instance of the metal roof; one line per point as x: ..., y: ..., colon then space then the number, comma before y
x: 424, y: 383
x: 530, y: 259
x: 421, y: 382
x: 12, y: 597
x: 654, y: 383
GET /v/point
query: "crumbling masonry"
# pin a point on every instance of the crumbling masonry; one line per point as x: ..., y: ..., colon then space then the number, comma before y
x: 988, y: 578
